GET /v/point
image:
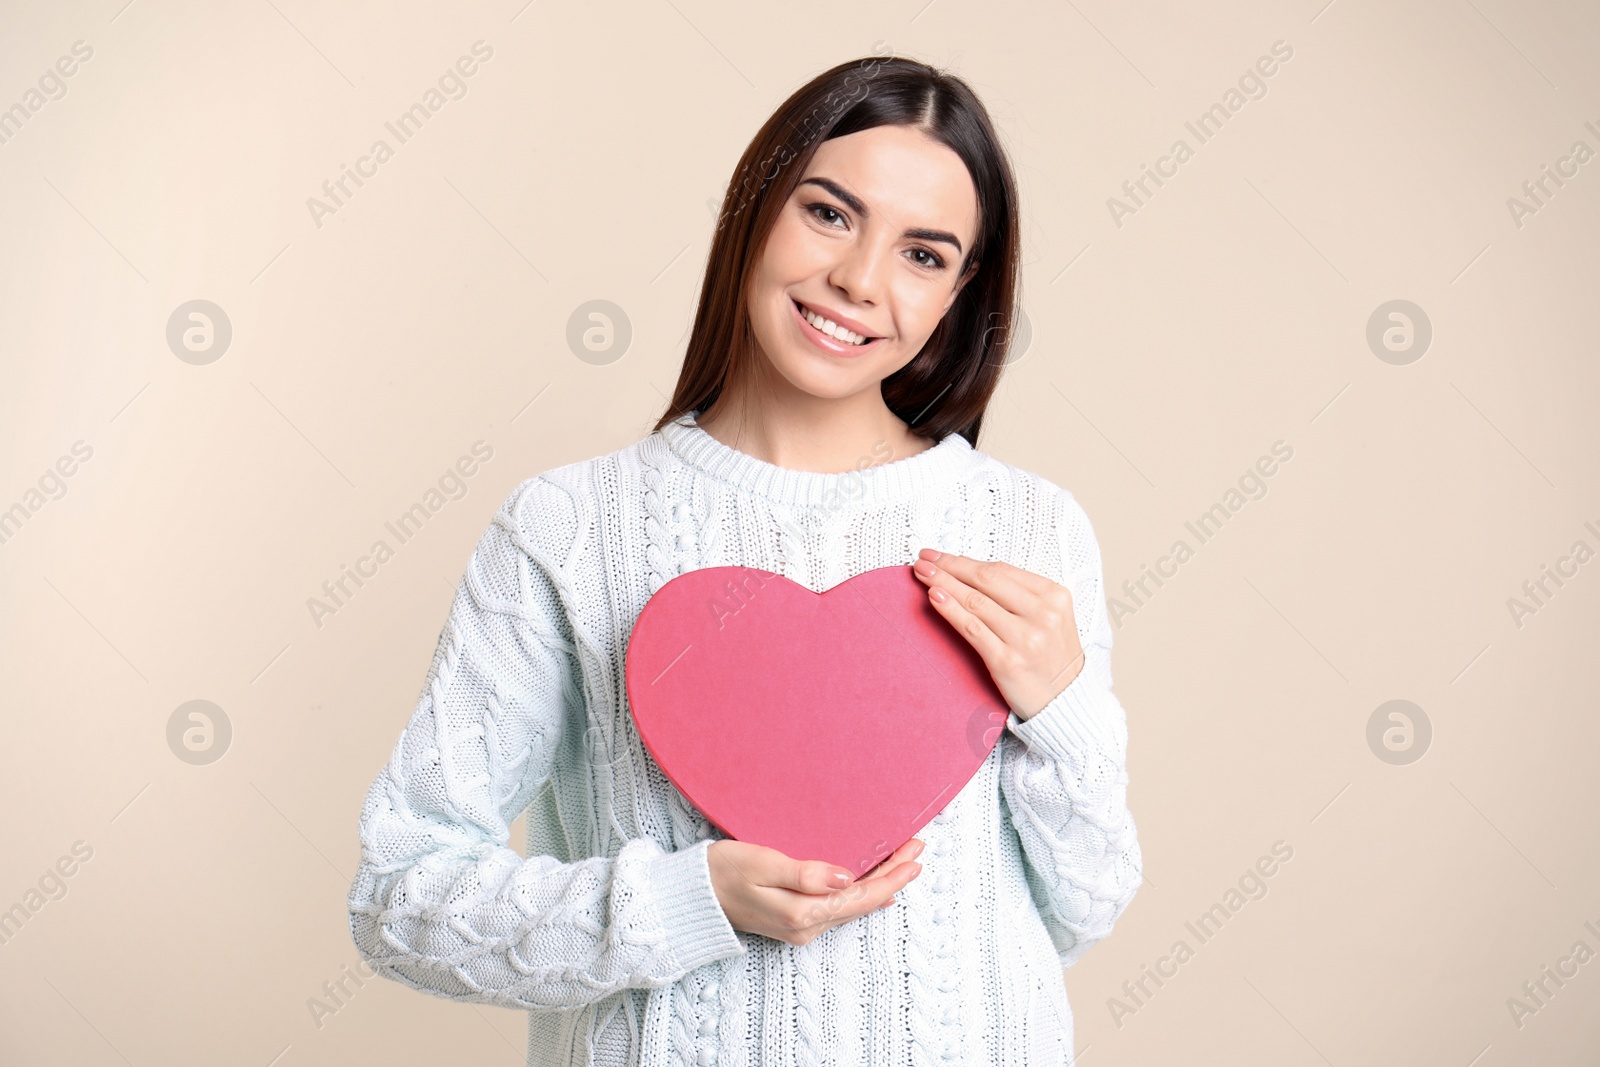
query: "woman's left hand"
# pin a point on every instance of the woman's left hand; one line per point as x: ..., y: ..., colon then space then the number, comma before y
x: 1021, y: 623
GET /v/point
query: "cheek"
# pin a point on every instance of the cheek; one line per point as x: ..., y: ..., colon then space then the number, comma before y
x: 788, y: 250
x: 919, y: 307
x: 783, y: 263
x: 763, y: 310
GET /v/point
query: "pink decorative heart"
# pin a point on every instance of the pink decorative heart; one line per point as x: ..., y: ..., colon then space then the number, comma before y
x: 828, y: 726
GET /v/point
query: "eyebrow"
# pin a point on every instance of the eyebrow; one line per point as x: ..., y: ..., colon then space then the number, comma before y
x: 854, y: 204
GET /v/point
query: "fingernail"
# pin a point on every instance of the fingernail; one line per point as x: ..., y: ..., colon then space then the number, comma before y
x: 918, y: 850
x: 839, y: 878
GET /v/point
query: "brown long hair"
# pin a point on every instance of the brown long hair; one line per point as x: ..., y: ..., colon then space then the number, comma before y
x: 947, y: 386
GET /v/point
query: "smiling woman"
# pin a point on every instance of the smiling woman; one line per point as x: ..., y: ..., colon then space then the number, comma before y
x: 829, y: 247
x: 877, y: 225
x: 824, y: 425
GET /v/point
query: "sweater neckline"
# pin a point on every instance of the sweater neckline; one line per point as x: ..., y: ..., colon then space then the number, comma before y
x: 931, y: 470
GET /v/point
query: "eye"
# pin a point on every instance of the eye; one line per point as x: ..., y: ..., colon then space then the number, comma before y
x: 825, y: 213
x: 817, y: 209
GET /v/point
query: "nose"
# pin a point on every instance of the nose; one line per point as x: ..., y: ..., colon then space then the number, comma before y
x: 860, y: 270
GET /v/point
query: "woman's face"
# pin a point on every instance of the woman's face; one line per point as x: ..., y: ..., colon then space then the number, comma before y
x: 872, y: 238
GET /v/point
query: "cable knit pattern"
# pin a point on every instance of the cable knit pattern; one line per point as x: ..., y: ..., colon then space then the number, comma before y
x: 608, y: 930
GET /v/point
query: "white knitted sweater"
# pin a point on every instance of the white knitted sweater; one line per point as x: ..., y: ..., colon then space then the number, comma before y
x: 609, y: 932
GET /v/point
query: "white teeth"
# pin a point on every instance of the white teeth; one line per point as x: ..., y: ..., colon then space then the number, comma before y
x: 831, y: 328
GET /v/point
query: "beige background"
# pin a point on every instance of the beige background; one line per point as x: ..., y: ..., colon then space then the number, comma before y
x: 1227, y: 313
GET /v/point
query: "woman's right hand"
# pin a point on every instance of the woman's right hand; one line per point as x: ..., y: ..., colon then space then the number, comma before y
x: 763, y: 891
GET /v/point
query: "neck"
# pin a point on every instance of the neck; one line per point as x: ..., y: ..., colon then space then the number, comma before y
x: 811, y: 433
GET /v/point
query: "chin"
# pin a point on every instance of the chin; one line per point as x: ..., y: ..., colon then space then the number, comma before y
x: 835, y: 386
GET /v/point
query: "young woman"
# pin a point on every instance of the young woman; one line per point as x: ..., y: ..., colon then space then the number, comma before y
x: 851, y: 329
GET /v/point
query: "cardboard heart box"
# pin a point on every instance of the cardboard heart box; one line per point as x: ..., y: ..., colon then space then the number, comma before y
x: 829, y: 726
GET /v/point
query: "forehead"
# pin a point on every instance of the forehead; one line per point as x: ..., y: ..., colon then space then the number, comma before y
x: 900, y: 174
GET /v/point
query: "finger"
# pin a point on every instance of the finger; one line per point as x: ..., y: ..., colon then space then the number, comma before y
x: 888, y: 886
x: 829, y: 909
x: 818, y: 876
x: 868, y: 891
x: 1012, y: 587
x: 894, y: 879
x: 760, y: 865
x: 908, y: 851
x: 863, y: 897
x: 902, y: 875
x: 987, y: 626
x: 1007, y: 624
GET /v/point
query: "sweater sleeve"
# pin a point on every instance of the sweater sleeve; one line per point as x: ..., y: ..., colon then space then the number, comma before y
x: 440, y: 903
x: 1063, y: 773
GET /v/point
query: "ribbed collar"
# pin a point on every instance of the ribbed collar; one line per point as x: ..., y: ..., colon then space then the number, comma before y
x: 934, y: 469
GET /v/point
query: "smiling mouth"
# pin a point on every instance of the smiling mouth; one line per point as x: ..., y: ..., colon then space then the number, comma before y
x: 832, y: 330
